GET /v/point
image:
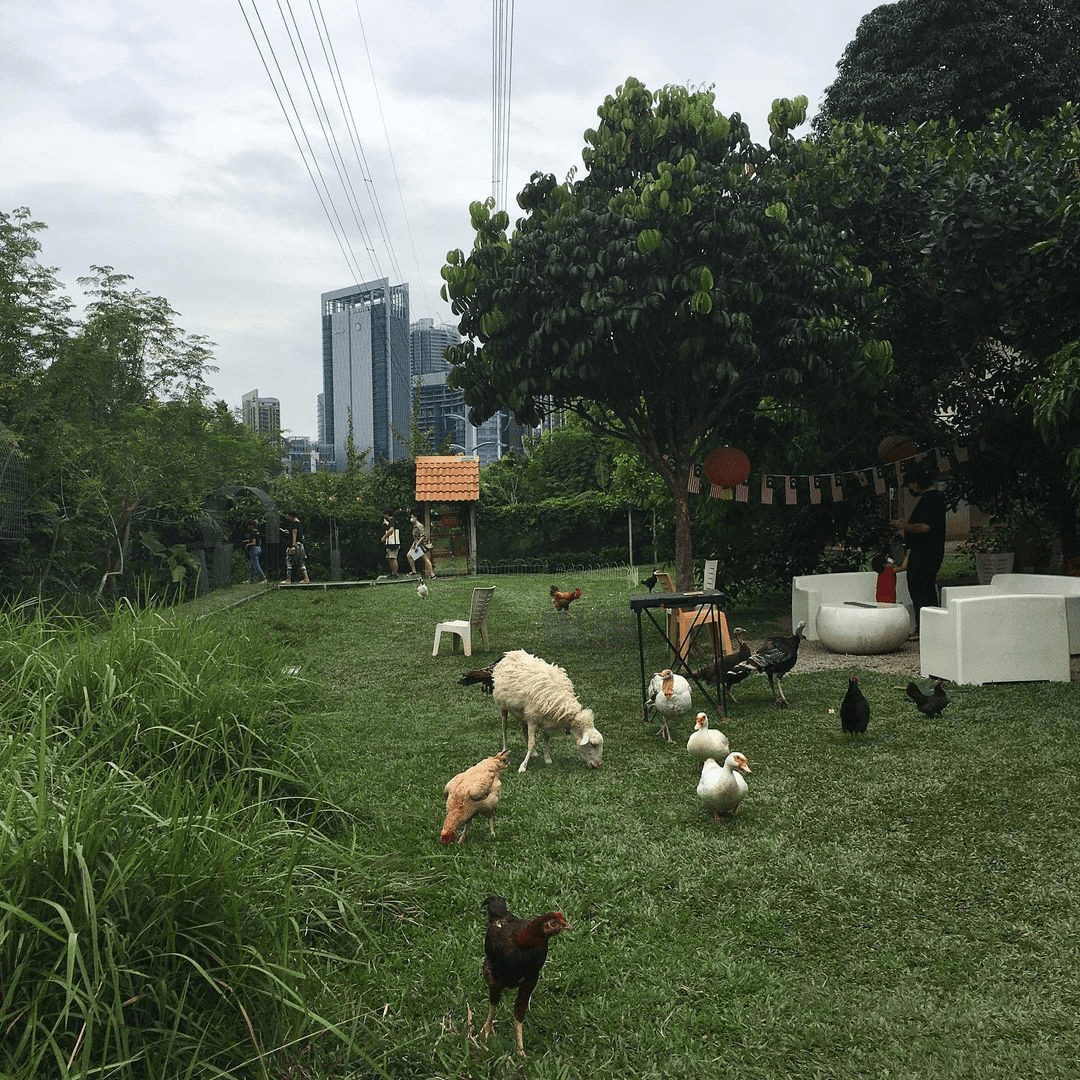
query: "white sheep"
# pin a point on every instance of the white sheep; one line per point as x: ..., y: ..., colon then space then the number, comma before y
x: 541, y: 696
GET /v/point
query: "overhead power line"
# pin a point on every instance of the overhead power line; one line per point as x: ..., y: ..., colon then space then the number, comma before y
x: 502, y: 57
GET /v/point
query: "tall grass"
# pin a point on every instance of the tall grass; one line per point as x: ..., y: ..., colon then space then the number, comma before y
x: 169, y: 894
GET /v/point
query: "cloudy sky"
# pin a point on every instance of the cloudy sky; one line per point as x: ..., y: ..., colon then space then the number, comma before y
x: 149, y: 137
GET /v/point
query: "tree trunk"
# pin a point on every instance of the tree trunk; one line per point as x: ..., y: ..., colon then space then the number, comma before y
x: 684, y: 540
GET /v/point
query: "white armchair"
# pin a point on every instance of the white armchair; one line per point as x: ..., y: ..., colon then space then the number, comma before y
x: 1037, y: 584
x: 810, y: 591
x: 995, y: 638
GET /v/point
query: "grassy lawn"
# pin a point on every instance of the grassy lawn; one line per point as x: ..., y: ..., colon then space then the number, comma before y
x: 905, y: 904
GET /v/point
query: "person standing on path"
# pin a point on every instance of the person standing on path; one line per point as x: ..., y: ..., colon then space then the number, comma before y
x: 295, y: 552
x: 253, y: 550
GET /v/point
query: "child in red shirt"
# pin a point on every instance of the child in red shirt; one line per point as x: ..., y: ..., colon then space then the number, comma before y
x: 886, y: 571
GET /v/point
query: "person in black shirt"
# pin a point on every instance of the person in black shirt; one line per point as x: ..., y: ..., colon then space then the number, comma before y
x: 295, y: 552
x: 924, y: 535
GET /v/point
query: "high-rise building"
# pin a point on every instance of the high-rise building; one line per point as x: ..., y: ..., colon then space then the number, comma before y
x: 262, y: 415
x: 301, y: 454
x: 366, y: 369
x: 442, y: 412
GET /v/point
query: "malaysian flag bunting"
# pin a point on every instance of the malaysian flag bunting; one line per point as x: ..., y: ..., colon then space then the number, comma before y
x: 961, y: 451
x: 742, y: 493
x: 865, y: 476
x: 716, y: 491
x: 899, y: 470
x: 766, y: 490
x: 879, y: 481
x: 837, y: 488
x: 815, y: 490
x: 791, y: 494
x: 693, y: 481
x: 943, y: 462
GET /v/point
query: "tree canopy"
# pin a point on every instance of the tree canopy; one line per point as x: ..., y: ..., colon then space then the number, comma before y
x: 918, y: 60
x: 675, y: 296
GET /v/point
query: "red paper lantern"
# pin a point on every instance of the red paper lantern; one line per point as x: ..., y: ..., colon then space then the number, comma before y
x: 727, y: 467
x: 897, y: 448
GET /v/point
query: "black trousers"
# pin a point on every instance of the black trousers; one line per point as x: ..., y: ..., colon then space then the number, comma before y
x: 922, y: 581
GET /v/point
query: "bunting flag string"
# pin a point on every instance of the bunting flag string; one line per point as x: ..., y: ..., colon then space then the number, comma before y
x: 878, y: 477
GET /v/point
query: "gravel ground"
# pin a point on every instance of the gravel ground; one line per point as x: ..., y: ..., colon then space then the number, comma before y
x: 813, y: 656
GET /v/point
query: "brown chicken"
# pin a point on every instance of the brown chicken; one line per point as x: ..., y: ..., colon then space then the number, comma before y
x: 514, y: 952
x: 474, y: 791
x: 563, y: 600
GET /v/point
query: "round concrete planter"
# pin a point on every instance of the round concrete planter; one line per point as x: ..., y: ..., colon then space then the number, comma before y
x: 863, y: 630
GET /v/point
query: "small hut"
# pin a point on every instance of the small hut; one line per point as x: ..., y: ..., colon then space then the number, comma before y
x: 447, y: 492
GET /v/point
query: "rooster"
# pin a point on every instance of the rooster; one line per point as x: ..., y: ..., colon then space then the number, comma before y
x: 774, y: 659
x: 474, y: 791
x: 668, y: 695
x: 928, y: 704
x: 561, y: 601
x: 514, y: 952
x: 854, y: 709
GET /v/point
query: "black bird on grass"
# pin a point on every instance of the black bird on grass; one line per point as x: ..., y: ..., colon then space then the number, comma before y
x: 928, y: 704
x: 650, y: 581
x: 854, y: 709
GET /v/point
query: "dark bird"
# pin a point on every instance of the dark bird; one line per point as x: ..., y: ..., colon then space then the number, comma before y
x: 774, y: 659
x: 928, y: 704
x: 514, y: 952
x: 728, y: 660
x: 854, y: 709
x: 650, y: 581
x: 482, y: 677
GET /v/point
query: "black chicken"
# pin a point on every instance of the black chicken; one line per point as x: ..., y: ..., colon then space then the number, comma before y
x: 854, y: 709
x: 774, y: 659
x: 650, y: 581
x: 514, y: 952
x: 928, y: 704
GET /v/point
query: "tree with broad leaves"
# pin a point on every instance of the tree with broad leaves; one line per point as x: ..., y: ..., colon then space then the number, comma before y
x: 969, y: 234
x: 671, y: 296
x: 920, y: 60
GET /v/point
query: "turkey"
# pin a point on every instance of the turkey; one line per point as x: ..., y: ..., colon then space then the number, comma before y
x: 774, y: 659
x: 928, y: 704
x: 727, y: 661
x: 854, y: 709
x: 668, y: 695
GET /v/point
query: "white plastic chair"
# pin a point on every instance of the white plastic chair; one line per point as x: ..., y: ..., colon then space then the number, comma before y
x: 463, y: 628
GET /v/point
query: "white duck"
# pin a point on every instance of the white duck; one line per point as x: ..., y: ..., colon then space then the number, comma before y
x: 706, y: 742
x: 722, y: 787
x: 669, y: 695
x: 421, y: 590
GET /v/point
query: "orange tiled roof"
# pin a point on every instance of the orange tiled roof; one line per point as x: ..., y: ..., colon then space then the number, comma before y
x: 447, y: 479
